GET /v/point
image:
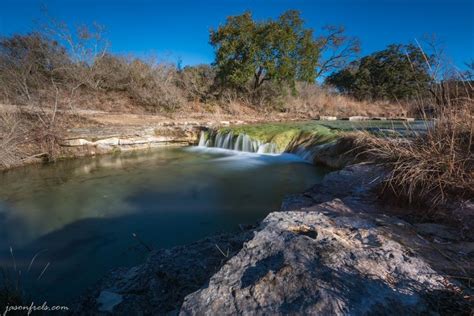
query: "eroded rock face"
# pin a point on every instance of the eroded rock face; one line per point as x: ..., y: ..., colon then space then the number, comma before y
x: 317, y: 263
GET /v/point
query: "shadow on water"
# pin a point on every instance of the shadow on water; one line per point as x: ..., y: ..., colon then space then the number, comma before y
x: 81, y: 213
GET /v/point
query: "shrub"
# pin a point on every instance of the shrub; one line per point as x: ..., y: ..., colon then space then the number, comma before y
x: 11, y: 136
x: 111, y: 73
x: 154, y: 86
x: 29, y: 64
x: 197, y: 82
x: 150, y: 84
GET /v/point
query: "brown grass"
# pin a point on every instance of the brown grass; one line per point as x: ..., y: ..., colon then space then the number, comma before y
x: 317, y: 100
x: 432, y: 167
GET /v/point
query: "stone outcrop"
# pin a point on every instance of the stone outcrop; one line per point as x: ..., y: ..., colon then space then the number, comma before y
x: 110, y: 138
x: 335, y: 251
x: 328, y: 261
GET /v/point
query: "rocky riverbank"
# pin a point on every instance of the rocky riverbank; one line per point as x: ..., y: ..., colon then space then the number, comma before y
x: 90, y: 132
x: 335, y: 249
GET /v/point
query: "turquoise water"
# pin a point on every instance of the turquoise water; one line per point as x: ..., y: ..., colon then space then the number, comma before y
x: 78, y: 216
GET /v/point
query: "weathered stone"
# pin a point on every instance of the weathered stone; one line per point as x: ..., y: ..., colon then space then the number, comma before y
x: 296, y: 201
x: 348, y: 266
x: 441, y: 232
x: 358, y: 118
x: 114, y: 141
x: 327, y: 118
x: 75, y: 142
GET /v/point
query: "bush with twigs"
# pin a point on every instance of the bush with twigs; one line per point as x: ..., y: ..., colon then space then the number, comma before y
x: 11, y: 136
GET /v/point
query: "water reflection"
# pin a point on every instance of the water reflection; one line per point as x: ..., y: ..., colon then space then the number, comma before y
x: 83, y: 212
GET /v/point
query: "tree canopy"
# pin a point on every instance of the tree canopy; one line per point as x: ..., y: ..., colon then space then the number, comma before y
x: 248, y: 52
x: 398, y: 72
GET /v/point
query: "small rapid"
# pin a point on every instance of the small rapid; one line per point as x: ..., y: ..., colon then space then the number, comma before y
x: 237, y: 142
x: 245, y: 144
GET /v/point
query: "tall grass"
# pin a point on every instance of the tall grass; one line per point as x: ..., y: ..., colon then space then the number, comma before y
x: 12, y: 291
x: 434, y: 166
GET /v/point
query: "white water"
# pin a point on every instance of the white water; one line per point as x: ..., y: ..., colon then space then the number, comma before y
x: 240, y: 142
x: 305, y: 153
x: 243, y: 143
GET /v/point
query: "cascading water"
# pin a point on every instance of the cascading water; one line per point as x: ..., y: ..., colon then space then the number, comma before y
x: 240, y: 142
x: 203, y: 141
x: 305, y: 153
x: 243, y: 142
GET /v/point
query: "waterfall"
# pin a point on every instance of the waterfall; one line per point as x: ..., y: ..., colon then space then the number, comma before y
x: 267, y: 148
x: 239, y: 142
x: 203, y: 142
x: 305, y: 153
x: 243, y: 142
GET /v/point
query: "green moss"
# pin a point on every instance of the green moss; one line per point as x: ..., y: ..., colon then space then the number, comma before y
x: 286, y: 135
x: 282, y: 134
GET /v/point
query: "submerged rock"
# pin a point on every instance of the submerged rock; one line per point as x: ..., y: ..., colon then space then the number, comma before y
x: 160, y: 284
x: 108, y: 300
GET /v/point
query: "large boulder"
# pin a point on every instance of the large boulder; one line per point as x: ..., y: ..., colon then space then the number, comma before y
x: 327, y: 261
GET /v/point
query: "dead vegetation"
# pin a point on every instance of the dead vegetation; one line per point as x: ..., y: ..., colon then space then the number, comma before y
x: 318, y: 100
x: 11, y: 137
x: 432, y: 167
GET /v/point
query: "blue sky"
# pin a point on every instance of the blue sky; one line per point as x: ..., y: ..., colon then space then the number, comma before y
x: 180, y: 29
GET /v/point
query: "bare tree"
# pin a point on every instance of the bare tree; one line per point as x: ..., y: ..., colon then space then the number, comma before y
x: 469, y: 74
x: 336, y: 49
x: 85, y: 45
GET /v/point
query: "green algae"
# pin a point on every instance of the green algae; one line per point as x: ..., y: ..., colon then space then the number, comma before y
x: 288, y: 135
x: 283, y: 134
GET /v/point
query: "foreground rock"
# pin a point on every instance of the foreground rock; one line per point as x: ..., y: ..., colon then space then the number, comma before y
x: 327, y: 261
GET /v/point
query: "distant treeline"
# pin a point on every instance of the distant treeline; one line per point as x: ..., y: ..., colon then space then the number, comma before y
x: 262, y: 63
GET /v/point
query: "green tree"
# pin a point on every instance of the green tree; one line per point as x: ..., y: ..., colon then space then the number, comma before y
x: 249, y: 53
x: 337, y: 49
x: 398, y: 72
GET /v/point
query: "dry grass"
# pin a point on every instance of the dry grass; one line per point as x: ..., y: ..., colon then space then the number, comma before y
x: 430, y: 168
x: 318, y: 100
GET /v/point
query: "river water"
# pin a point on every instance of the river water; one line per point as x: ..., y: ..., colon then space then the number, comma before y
x: 77, y: 218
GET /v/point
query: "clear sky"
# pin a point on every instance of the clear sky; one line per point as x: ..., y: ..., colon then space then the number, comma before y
x: 180, y: 29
